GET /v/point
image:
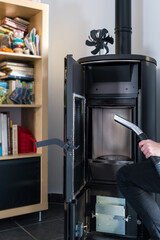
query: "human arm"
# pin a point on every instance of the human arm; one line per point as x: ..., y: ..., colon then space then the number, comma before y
x: 150, y: 148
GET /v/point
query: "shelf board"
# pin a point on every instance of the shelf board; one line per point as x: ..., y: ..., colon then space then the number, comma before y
x: 25, y: 8
x: 5, y: 56
x: 25, y: 155
x: 20, y: 105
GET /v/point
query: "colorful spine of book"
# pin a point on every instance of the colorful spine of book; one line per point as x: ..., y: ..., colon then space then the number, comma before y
x: 11, y: 77
x: 4, y: 92
x: 22, y: 74
x: 15, y: 139
x: 8, y: 134
x: 0, y: 135
x: 10, y: 125
x: 4, y: 135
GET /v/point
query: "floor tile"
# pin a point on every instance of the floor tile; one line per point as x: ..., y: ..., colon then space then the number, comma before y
x: 15, y: 234
x: 55, y: 211
x: 49, y: 230
x: 27, y: 219
x: 7, y: 224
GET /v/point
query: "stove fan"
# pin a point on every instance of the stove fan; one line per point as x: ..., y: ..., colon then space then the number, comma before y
x: 100, y: 39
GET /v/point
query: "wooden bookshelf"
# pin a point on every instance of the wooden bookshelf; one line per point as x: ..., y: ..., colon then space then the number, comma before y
x: 34, y: 117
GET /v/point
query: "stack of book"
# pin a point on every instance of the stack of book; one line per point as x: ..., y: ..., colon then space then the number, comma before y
x: 20, y: 76
x: 15, y: 24
x: 17, y: 70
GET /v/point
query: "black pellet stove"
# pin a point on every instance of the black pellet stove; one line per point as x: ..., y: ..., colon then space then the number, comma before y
x: 97, y: 88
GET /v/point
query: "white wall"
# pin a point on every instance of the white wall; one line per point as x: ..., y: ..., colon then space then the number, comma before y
x: 70, y: 25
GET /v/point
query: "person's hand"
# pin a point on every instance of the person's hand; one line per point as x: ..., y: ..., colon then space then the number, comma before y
x: 150, y: 148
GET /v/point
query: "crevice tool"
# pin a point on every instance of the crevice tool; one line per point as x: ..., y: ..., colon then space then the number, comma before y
x: 141, y: 136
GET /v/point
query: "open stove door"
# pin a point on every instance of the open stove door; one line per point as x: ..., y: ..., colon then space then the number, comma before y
x: 74, y: 129
x: 74, y: 160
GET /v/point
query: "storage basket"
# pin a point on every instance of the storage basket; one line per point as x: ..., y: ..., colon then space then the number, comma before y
x: 26, y: 143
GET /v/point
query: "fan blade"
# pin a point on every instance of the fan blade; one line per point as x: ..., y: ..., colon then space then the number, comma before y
x: 93, y: 34
x: 106, y: 48
x: 109, y: 39
x: 100, y: 34
x: 96, y: 50
x: 88, y: 43
x: 104, y: 32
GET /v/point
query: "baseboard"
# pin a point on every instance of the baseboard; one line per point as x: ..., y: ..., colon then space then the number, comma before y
x: 55, y: 198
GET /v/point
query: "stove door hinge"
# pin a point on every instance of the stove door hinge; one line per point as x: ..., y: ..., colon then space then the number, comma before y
x: 80, y: 230
x: 68, y: 146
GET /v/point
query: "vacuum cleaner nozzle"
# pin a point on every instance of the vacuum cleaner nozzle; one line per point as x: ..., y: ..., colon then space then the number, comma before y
x: 141, y: 136
x: 128, y: 124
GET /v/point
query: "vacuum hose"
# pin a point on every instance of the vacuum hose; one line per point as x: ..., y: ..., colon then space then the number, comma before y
x: 141, y: 136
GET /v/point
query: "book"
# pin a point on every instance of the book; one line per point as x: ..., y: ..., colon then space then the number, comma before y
x: 8, y: 134
x: 12, y: 87
x: 9, y: 28
x: 37, y: 43
x: 21, y: 20
x: 11, y: 77
x: 0, y: 136
x: 4, y: 30
x: 19, y: 73
x: 13, y: 24
x: 25, y: 95
x: 2, y: 74
x: 11, y: 135
x: 10, y: 63
x: 4, y: 134
x: 15, y: 138
x: 4, y: 91
x: 17, y: 68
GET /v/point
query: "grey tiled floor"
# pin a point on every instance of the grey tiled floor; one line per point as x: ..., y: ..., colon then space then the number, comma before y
x: 28, y: 227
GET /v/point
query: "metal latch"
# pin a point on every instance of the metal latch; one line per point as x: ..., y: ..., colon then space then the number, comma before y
x: 79, y: 230
x: 68, y: 146
x: 128, y: 218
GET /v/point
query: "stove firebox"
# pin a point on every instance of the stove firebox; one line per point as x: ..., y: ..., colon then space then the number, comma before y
x: 97, y: 88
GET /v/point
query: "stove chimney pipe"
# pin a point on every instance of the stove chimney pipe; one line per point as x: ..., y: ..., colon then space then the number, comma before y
x: 123, y: 28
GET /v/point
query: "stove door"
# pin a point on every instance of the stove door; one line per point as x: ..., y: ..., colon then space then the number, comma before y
x: 74, y: 129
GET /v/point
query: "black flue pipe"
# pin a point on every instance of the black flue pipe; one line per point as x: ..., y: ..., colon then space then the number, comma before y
x: 123, y: 29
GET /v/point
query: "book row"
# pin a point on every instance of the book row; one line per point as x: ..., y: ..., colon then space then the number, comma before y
x: 14, y: 139
x: 17, y: 92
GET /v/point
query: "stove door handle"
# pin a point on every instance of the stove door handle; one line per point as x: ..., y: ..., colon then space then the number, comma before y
x: 68, y: 146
